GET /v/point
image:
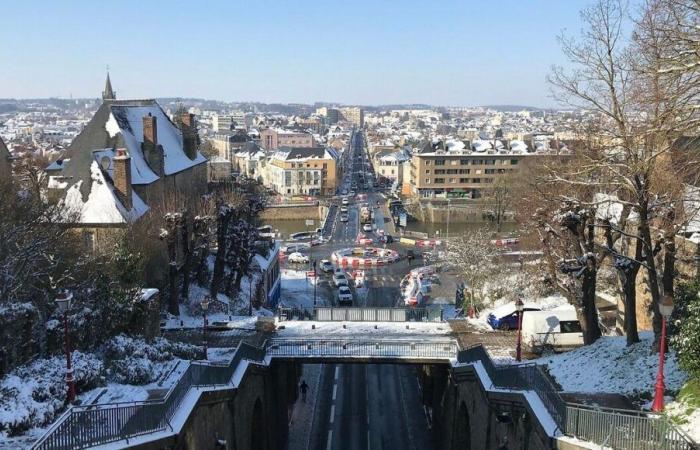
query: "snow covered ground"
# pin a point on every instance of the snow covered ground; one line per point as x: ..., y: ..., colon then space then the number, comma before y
x: 298, y: 290
x: 608, y: 365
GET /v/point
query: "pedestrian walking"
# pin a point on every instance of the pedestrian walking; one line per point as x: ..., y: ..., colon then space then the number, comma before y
x: 303, y: 387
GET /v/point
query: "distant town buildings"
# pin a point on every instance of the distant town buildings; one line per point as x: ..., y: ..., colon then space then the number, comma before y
x: 274, y: 138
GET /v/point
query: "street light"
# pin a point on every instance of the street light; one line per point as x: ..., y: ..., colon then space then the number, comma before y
x: 63, y: 300
x: 315, y: 281
x: 519, y: 307
x: 205, y: 306
x: 666, y: 309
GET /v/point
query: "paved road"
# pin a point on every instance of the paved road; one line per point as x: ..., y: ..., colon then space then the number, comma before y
x: 365, y: 406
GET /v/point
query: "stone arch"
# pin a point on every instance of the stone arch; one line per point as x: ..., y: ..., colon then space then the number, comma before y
x: 257, y: 432
x: 462, y: 437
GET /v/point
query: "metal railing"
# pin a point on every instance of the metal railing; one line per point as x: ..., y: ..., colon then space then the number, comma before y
x: 88, y: 426
x: 362, y: 314
x: 614, y: 428
x: 367, y: 348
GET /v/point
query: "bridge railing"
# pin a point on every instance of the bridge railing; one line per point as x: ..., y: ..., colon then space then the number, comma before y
x: 89, y: 426
x: 366, y: 348
x: 614, y: 428
x: 362, y: 314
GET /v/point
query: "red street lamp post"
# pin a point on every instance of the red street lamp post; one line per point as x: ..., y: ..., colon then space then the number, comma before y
x: 666, y: 309
x: 63, y: 300
x: 519, y: 307
x: 205, y: 306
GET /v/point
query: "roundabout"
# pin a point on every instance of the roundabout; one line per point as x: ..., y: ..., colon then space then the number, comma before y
x: 364, y: 256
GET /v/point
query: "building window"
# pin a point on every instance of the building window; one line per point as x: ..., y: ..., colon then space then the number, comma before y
x: 439, y: 171
x: 463, y: 171
x: 325, y: 165
x: 427, y: 181
x: 454, y: 162
x: 89, y: 240
x: 452, y: 180
x: 427, y: 163
x: 490, y: 171
x: 392, y: 171
x: 427, y: 172
x: 439, y: 180
x: 451, y: 171
x: 476, y: 180
x: 513, y: 162
x: 488, y: 180
x: 490, y: 162
x: 464, y: 180
x: 439, y: 162
x: 464, y: 162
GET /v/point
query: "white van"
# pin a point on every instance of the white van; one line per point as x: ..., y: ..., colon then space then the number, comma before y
x: 555, y: 330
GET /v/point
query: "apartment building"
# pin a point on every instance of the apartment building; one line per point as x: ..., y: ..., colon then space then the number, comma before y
x: 388, y: 164
x: 354, y: 115
x: 228, y: 143
x: 437, y: 172
x: 274, y: 138
x: 302, y: 171
x: 233, y: 121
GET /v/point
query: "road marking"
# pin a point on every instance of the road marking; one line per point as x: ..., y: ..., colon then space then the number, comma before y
x: 368, y: 440
x: 335, y: 391
x: 332, y: 413
x: 330, y: 439
x: 337, y: 371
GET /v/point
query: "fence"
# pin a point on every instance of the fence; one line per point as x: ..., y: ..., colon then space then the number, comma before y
x: 367, y: 348
x: 87, y: 426
x: 331, y: 314
x: 614, y: 428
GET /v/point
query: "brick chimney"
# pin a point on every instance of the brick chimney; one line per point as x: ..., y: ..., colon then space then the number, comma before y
x: 121, y: 175
x: 151, y: 150
x: 189, y: 134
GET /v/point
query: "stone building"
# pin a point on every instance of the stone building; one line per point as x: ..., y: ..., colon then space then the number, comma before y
x: 129, y: 159
x: 274, y: 138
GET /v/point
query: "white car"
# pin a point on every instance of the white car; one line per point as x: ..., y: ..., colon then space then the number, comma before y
x: 345, y: 202
x: 326, y: 266
x: 298, y: 258
x: 340, y: 279
x: 367, y: 227
x: 344, y: 295
x: 343, y: 209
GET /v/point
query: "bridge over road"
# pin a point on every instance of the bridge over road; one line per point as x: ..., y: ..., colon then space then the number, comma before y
x: 243, y: 403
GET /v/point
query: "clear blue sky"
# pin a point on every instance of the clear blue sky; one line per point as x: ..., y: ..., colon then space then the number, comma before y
x: 457, y: 52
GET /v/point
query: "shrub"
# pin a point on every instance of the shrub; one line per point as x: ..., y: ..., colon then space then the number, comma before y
x: 685, y: 327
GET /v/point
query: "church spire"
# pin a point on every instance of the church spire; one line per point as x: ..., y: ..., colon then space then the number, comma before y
x: 108, y: 93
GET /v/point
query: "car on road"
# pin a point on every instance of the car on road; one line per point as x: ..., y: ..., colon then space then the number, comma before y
x: 386, y: 239
x: 294, y: 248
x: 340, y: 279
x: 326, y: 266
x: 344, y: 209
x: 344, y: 295
x: 367, y: 227
x: 346, y: 202
x: 505, y: 317
x: 343, y: 217
x: 298, y: 258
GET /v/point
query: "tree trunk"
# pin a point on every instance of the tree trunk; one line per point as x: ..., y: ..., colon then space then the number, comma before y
x: 222, y: 223
x: 652, y: 276
x: 187, y: 254
x: 173, y: 303
x: 629, y: 292
x: 590, y: 326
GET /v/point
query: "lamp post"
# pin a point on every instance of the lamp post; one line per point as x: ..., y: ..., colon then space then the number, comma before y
x: 519, y: 307
x: 315, y: 281
x: 665, y: 308
x: 63, y: 300
x: 205, y: 306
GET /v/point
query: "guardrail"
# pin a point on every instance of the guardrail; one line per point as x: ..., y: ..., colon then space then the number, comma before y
x: 366, y: 348
x: 614, y: 428
x: 88, y: 426
x: 360, y: 314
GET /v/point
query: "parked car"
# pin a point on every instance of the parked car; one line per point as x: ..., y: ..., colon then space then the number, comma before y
x: 294, y: 248
x: 367, y: 227
x: 298, y: 258
x: 344, y: 295
x: 340, y: 279
x: 551, y: 331
x: 506, y: 317
x: 326, y: 266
